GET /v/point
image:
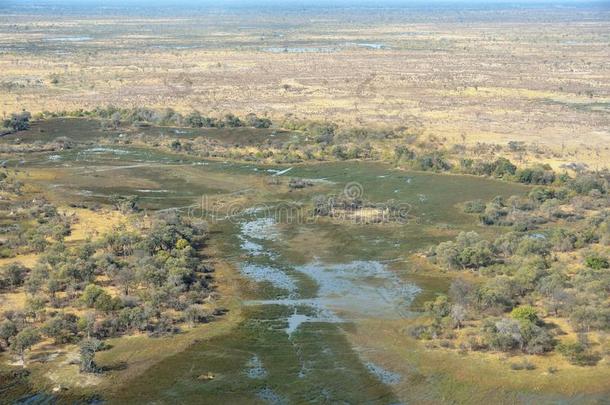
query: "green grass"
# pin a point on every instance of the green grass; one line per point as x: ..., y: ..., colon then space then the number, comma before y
x: 336, y: 372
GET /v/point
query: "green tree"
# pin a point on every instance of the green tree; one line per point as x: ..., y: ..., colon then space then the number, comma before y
x: 88, y: 347
x: 14, y: 274
x: 525, y: 313
x: 8, y: 329
x: 24, y: 341
x: 62, y: 328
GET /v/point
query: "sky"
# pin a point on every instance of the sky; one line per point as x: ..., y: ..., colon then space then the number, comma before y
x: 102, y: 6
x: 288, y: 3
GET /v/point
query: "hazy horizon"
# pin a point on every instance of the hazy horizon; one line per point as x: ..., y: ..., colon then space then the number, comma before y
x: 292, y: 4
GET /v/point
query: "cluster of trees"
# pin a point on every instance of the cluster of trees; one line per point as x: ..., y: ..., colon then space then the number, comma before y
x: 151, y: 280
x: 499, y: 167
x: 567, y: 202
x: 31, y: 223
x: 321, y: 140
x: 114, y: 117
x: 17, y: 122
x: 525, y: 277
x: 342, y: 206
x: 35, y: 224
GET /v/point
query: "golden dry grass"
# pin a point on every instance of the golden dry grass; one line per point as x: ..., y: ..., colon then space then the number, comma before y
x: 475, y: 373
x: 478, y: 81
x: 91, y: 225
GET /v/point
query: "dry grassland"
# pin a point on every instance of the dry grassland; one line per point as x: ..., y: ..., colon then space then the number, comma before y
x: 541, y: 76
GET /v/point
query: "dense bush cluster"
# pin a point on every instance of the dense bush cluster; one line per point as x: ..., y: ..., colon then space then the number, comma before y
x: 17, y: 122
x: 148, y: 280
x: 31, y: 224
x: 553, y: 263
x: 115, y: 117
x: 346, y: 207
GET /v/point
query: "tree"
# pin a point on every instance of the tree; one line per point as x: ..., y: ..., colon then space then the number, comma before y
x: 88, y: 347
x: 434, y: 161
x: 62, y: 328
x: 253, y: 121
x: 24, y: 341
x: 96, y: 297
x: 125, y: 277
x: 533, y: 246
x: 478, y: 255
x: 461, y: 292
x: 91, y: 294
x: 583, y: 317
x: 458, y: 314
x: 504, y: 167
x: 18, y: 121
x: 86, y: 323
x: 468, y: 251
x: 232, y: 121
x: 537, y: 340
x: 447, y: 254
x: 558, y: 300
x: 34, y: 306
x: 8, y: 329
x: 14, y: 274
x: 536, y: 175
x: 125, y: 204
x: 584, y: 184
x: 439, y: 308
x: 503, y: 335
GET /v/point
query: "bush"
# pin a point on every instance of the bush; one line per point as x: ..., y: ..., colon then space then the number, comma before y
x: 524, y: 365
x: 13, y: 275
x: 62, y: 328
x: 536, y: 175
x: 468, y: 251
x: 533, y: 245
x: 435, y: 162
x: 474, y: 207
x: 584, y: 184
x: 18, y: 121
x: 597, y: 262
x: 96, y: 297
x: 253, y: 121
x: 577, y: 354
x: 525, y: 313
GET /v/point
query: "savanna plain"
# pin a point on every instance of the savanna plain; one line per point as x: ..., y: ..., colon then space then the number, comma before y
x: 305, y: 204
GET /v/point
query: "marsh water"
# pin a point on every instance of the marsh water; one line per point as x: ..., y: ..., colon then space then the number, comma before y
x: 309, y: 284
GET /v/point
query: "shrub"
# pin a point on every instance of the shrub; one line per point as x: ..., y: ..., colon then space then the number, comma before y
x: 584, y: 184
x: 504, y: 167
x: 96, y: 297
x: 253, y: 121
x: 18, y: 121
x: 524, y: 365
x: 474, y: 207
x: 435, y: 162
x: 13, y: 275
x: 597, y: 262
x: 525, y: 313
x: 577, y: 354
x: 88, y: 347
x: 535, y: 175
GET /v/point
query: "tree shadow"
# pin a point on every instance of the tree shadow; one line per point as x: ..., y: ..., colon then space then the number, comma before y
x: 122, y: 365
